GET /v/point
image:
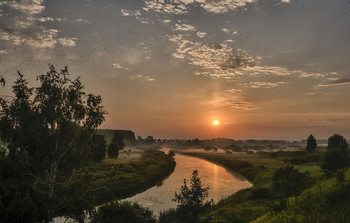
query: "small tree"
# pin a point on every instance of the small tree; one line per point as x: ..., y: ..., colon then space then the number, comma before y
x: 288, y: 182
x: 336, y: 157
x: 113, y: 151
x: 311, y: 144
x: 118, y: 140
x: 194, y: 195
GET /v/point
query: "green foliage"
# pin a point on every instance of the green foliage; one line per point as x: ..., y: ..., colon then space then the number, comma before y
x: 115, y: 145
x: 191, y: 207
x: 262, y: 193
x: 194, y: 195
x: 311, y: 144
x: 111, y: 181
x: 340, y: 177
x: 48, y: 132
x: 288, y: 181
x: 336, y: 156
x: 123, y: 212
x: 98, y: 148
x: 118, y: 140
x: 113, y: 151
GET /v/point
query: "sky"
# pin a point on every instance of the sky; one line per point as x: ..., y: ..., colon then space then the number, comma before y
x: 265, y: 69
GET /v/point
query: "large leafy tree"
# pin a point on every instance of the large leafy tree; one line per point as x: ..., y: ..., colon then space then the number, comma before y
x: 48, y: 132
x: 336, y: 157
x: 311, y: 143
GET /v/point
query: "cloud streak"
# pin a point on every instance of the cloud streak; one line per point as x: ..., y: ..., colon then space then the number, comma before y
x: 335, y: 82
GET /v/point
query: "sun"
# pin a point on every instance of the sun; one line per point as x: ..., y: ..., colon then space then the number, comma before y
x: 216, y: 122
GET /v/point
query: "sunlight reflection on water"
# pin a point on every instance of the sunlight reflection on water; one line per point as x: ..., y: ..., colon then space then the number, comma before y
x: 218, y: 179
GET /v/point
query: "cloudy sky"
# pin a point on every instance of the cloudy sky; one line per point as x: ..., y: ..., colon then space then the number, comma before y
x: 277, y: 69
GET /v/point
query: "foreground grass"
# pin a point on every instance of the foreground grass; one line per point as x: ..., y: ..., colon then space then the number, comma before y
x: 113, y: 180
x: 323, y: 201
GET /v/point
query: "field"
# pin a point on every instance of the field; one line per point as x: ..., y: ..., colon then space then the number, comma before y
x: 120, y: 178
x: 322, y: 201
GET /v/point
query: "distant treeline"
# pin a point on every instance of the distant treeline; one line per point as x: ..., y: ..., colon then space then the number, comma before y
x: 129, y: 139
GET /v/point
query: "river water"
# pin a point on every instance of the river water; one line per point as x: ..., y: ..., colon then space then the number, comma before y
x: 221, y: 183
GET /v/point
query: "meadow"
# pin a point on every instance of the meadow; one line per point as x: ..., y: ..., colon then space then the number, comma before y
x: 322, y: 200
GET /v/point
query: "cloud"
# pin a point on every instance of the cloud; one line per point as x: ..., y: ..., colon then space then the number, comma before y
x: 166, y: 21
x: 118, y: 66
x: 178, y: 7
x: 67, y: 41
x: 223, y: 6
x: 22, y: 28
x: 184, y: 27
x: 233, y: 90
x: 237, y: 60
x: 261, y: 84
x: 3, y: 52
x: 201, y: 34
x: 30, y: 7
x: 165, y: 7
x: 126, y: 12
x: 241, y: 104
x: 335, y: 82
x: 44, y: 38
x: 226, y: 30
x: 143, y: 78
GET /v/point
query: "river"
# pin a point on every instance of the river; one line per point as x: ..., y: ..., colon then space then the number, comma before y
x: 221, y: 183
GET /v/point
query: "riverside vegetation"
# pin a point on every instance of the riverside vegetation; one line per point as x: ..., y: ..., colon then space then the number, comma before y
x: 323, y: 195
x: 53, y: 163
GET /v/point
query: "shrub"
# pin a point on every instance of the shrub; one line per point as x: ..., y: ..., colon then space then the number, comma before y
x: 123, y: 212
x: 262, y: 193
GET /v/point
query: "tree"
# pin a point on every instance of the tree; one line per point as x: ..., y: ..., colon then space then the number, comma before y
x: 311, y: 144
x: 113, y: 151
x: 190, y: 201
x: 123, y: 212
x: 194, y: 195
x: 48, y: 131
x: 98, y: 148
x: 118, y: 140
x: 288, y: 182
x: 115, y: 145
x: 336, y: 156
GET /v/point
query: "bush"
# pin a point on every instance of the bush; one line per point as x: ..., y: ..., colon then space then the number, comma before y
x: 298, y: 160
x: 113, y: 151
x: 123, y: 212
x: 262, y: 193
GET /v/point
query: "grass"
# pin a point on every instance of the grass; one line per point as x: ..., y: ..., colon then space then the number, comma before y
x: 117, y: 179
x: 321, y: 202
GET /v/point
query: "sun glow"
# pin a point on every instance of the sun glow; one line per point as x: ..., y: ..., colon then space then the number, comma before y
x: 216, y: 122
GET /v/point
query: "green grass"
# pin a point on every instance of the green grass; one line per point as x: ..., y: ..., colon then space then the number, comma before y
x: 320, y: 202
x: 113, y: 179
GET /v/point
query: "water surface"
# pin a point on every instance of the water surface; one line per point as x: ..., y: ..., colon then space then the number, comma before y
x: 221, y: 183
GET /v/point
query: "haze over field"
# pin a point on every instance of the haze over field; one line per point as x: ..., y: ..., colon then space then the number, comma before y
x: 262, y: 69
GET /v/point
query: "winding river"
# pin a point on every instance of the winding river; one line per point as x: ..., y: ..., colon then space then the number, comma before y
x: 221, y: 183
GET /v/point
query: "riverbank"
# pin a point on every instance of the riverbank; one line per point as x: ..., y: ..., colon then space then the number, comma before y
x: 111, y: 180
x: 258, y: 202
